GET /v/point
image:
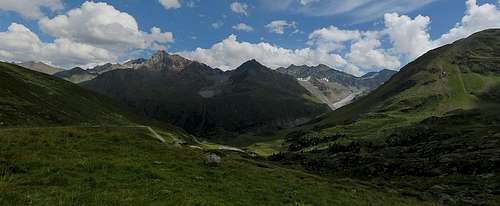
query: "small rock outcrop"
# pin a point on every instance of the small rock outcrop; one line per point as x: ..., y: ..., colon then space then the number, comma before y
x: 213, y: 160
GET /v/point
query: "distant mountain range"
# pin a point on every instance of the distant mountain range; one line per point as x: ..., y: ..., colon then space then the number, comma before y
x: 330, y: 86
x: 208, y: 101
x: 333, y: 87
x: 78, y: 75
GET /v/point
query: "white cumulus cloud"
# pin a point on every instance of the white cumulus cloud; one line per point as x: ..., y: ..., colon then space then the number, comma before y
x: 170, y: 4
x: 353, y: 51
x: 217, y: 25
x: 31, y: 9
x: 477, y: 18
x: 409, y: 36
x: 101, y: 25
x: 94, y: 33
x: 279, y: 26
x: 243, y: 27
x: 367, y: 53
x: 332, y: 38
x: 19, y: 43
x: 230, y: 53
x: 239, y: 8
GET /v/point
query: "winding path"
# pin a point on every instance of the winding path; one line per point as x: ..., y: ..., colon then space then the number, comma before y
x: 151, y: 130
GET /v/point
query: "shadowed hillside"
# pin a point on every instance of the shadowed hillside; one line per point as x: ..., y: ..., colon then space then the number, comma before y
x: 209, y: 102
x: 29, y: 98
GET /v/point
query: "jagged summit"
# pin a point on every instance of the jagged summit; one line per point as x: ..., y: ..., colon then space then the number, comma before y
x: 162, y: 60
x: 251, y: 64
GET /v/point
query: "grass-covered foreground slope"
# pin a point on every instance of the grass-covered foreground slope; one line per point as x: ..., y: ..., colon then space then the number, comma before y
x: 127, y: 166
x: 29, y: 98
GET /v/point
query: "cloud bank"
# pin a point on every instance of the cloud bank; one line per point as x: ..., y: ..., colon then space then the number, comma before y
x: 352, y: 51
x: 93, y: 33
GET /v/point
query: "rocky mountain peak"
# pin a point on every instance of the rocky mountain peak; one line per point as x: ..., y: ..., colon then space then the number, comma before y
x: 161, y: 60
x: 251, y: 65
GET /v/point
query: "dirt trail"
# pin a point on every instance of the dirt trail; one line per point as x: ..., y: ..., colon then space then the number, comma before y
x: 151, y: 130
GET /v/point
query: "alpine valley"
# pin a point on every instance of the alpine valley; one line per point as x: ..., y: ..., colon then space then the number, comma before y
x: 168, y: 130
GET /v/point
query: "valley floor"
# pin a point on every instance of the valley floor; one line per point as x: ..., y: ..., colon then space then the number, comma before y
x: 128, y: 166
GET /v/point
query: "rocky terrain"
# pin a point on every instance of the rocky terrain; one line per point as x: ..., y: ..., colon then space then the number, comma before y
x: 333, y: 87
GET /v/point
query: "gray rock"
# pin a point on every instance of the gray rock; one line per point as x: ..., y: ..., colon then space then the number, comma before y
x: 213, y: 160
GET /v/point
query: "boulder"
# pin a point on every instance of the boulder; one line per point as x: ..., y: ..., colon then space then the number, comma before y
x: 213, y: 160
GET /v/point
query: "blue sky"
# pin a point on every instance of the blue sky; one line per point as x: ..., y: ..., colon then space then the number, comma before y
x: 203, y: 23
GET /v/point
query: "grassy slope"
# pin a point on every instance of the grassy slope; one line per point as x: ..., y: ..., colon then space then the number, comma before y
x: 448, y: 78
x: 126, y: 166
x: 33, y: 99
x: 29, y: 98
x: 433, y: 126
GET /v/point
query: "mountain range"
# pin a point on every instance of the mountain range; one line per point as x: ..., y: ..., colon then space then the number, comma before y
x: 207, y: 101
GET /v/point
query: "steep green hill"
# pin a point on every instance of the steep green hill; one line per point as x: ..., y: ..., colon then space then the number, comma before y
x: 437, y: 119
x: 29, y: 98
x: 456, y: 76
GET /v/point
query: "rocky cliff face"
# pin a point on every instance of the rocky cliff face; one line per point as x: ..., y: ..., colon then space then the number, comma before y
x: 162, y: 60
x: 334, y: 87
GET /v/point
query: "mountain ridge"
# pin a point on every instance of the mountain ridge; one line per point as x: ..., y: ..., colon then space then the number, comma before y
x: 334, y: 87
x: 40, y: 67
x: 209, y: 101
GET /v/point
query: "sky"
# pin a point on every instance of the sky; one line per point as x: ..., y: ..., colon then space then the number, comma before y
x: 355, y: 36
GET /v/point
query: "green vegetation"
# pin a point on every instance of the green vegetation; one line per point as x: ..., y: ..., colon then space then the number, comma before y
x: 29, y: 98
x: 428, y: 135
x: 453, y: 77
x: 109, y: 159
x: 438, y: 117
x: 127, y: 166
